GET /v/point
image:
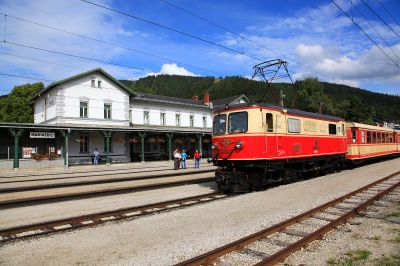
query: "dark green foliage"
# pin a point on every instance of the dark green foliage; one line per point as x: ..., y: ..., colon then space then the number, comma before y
x: 18, y: 105
x: 353, y: 104
x: 176, y: 86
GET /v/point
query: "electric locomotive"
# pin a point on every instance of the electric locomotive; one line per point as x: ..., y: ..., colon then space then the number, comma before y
x: 256, y: 144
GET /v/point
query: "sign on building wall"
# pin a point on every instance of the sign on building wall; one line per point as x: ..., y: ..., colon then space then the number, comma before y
x: 27, y: 152
x: 42, y: 135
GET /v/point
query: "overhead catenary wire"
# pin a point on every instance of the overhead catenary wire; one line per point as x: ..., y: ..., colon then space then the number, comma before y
x: 77, y: 56
x: 376, y: 31
x: 172, y: 29
x: 387, y: 11
x: 110, y: 43
x: 366, y: 34
x: 380, y: 18
x: 40, y: 60
x: 243, y: 37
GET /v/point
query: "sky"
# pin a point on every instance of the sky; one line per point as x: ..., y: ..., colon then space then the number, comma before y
x: 49, y: 40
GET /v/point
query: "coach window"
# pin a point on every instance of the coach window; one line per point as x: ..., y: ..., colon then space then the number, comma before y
x: 269, y: 122
x: 362, y: 136
x: 373, y: 137
x: 353, y: 135
x: 378, y: 137
x: 332, y: 129
x: 238, y: 122
x: 368, y: 136
x: 294, y: 125
x: 219, y: 126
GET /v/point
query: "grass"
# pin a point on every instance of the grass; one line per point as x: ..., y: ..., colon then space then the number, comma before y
x: 376, y: 238
x: 387, y: 261
x: 393, y: 214
x: 352, y: 257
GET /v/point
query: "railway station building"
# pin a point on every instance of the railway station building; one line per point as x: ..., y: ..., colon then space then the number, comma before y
x: 93, y: 110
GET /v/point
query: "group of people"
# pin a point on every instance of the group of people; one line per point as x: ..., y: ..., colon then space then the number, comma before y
x: 181, y: 157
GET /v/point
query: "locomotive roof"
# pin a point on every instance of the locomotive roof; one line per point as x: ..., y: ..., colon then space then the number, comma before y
x: 283, y: 109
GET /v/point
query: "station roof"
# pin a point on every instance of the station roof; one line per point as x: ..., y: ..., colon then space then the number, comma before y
x: 134, y: 128
x: 146, y: 97
x: 83, y: 74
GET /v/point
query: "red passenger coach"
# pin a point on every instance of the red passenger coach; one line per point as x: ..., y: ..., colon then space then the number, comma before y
x: 255, y: 144
x: 369, y: 142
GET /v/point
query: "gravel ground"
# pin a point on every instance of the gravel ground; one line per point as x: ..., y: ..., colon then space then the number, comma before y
x: 369, y: 242
x: 51, y: 211
x: 171, y: 237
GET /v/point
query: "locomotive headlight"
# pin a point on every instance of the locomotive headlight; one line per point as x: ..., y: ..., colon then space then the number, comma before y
x: 213, y: 146
x: 239, y: 145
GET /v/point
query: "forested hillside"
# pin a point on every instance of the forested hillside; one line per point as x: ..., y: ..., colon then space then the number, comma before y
x: 310, y: 95
x: 351, y: 103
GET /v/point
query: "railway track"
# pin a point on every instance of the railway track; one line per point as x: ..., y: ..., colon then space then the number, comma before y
x: 274, y: 244
x: 15, y: 186
x: 39, y: 229
x: 34, y: 197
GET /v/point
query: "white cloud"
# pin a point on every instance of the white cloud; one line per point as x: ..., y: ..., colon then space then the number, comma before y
x: 172, y: 69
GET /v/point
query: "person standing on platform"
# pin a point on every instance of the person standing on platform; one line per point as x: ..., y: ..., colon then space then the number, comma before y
x: 177, y: 158
x: 196, y: 157
x: 96, y: 156
x: 184, y: 156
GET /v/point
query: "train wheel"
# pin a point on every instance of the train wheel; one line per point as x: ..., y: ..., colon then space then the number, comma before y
x: 225, y: 188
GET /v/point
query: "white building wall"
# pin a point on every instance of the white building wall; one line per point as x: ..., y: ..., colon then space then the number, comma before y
x: 155, y: 111
x: 63, y: 103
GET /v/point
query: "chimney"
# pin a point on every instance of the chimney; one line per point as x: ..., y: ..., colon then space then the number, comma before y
x: 195, y: 98
x: 206, y: 98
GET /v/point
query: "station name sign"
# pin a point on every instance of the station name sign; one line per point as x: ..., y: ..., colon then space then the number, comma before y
x: 42, y: 135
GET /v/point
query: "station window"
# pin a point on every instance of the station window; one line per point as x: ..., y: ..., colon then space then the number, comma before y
x: 219, y: 125
x: 107, y: 111
x: 99, y: 83
x: 294, y: 125
x: 238, y: 122
x: 362, y: 136
x: 162, y: 119
x: 368, y: 136
x: 269, y: 122
x: 204, y: 121
x: 146, y: 117
x: 191, y: 120
x: 84, y: 144
x: 332, y: 129
x: 83, y: 109
x: 178, y: 120
x: 92, y: 82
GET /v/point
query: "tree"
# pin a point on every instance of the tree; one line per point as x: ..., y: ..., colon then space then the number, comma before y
x: 18, y: 105
x: 311, y: 97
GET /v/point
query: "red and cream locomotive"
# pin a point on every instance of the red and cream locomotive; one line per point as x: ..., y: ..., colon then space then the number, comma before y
x: 256, y: 144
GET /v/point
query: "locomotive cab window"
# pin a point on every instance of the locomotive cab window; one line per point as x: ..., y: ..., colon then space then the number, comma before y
x: 269, y: 122
x: 219, y: 126
x: 238, y: 122
x: 332, y: 129
x: 294, y: 125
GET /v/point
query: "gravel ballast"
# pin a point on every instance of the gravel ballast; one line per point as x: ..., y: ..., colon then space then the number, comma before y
x: 171, y: 237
